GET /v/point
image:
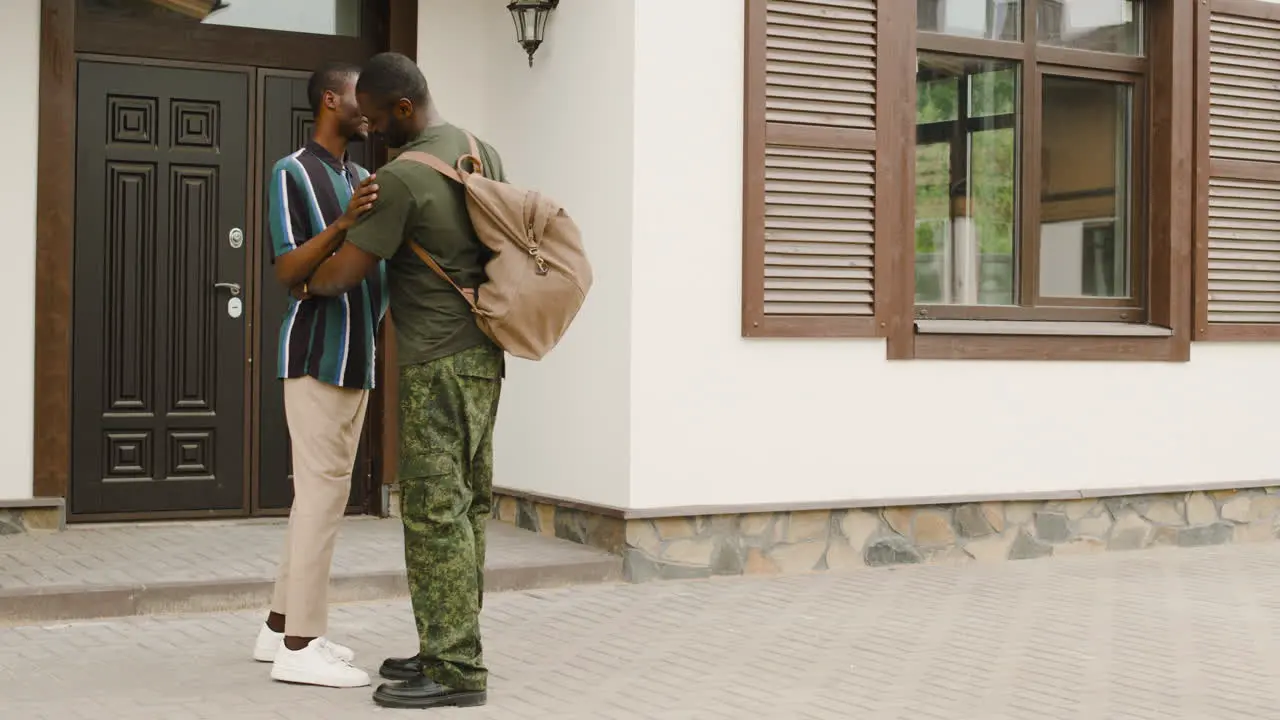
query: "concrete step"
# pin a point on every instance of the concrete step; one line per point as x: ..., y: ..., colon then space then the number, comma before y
x: 122, y: 570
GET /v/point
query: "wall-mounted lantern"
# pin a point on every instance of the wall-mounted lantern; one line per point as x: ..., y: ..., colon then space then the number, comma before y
x: 530, y: 17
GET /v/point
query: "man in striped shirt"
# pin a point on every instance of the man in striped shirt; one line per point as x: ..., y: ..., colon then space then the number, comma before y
x: 327, y: 365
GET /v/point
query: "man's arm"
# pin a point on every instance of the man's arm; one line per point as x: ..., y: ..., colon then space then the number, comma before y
x: 341, y: 272
x: 295, y: 262
x: 377, y: 236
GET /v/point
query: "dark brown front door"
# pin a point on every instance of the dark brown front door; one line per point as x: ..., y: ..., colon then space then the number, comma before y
x: 159, y: 347
x: 287, y: 123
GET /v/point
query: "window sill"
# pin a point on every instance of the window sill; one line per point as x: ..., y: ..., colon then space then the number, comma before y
x: 1021, y: 328
x: 1059, y: 341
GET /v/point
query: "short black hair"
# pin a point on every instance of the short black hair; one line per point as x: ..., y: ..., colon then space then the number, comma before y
x: 389, y: 76
x: 331, y: 77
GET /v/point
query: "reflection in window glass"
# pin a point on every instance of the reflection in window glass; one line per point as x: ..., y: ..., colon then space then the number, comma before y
x: 966, y: 172
x: 992, y: 93
x: 933, y: 222
x: 1084, y: 188
x: 936, y: 100
x: 992, y: 19
x: 319, y: 17
x: 1099, y: 25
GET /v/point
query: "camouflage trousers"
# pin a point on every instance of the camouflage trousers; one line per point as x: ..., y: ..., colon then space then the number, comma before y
x: 447, y: 412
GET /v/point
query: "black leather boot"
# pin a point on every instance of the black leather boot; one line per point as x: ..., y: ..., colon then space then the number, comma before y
x: 401, y: 668
x: 422, y: 693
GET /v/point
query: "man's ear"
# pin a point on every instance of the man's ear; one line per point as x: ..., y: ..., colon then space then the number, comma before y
x: 331, y: 99
x: 404, y: 108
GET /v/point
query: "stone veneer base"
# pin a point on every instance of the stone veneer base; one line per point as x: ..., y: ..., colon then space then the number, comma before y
x: 818, y: 540
x: 21, y: 516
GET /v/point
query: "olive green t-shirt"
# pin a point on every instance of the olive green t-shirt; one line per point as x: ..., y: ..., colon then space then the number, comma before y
x: 431, y: 319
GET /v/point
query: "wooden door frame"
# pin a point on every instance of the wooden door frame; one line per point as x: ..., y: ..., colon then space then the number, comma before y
x: 393, y: 25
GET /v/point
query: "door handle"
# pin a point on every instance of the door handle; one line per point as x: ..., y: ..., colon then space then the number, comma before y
x: 234, y: 288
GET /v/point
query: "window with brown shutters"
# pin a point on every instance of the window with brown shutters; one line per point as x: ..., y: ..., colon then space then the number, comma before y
x: 1238, y: 233
x: 1002, y: 179
x: 811, y: 185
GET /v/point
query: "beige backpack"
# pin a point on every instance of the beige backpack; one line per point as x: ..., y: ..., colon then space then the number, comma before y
x: 539, y: 274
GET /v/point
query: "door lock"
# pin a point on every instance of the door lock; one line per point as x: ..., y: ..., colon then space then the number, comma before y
x: 236, y: 237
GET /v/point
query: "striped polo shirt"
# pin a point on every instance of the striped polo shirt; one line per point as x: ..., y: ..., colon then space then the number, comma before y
x: 329, y: 339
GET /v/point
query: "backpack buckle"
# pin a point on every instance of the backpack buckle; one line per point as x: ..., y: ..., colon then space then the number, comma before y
x: 537, y: 260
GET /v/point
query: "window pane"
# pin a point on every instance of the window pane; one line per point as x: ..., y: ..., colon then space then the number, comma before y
x: 1102, y: 25
x: 993, y: 19
x: 966, y: 172
x: 1085, y: 182
x: 319, y: 17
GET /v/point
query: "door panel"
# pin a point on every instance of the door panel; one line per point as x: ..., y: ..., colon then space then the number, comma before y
x: 158, y: 361
x: 287, y: 125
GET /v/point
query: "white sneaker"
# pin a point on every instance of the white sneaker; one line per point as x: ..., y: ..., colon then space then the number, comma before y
x: 268, y: 643
x: 317, y: 664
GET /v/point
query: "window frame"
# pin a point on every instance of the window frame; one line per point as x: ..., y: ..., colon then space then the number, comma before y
x: 1035, y: 62
x: 172, y: 37
x: 1167, y: 123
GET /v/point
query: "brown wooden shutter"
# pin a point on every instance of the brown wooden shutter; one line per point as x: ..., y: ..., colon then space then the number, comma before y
x: 810, y: 196
x: 1238, y: 209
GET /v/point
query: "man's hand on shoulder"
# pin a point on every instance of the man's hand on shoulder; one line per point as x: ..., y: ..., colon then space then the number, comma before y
x: 361, y: 202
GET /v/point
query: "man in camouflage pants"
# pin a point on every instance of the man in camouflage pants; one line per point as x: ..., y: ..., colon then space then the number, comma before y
x: 450, y: 380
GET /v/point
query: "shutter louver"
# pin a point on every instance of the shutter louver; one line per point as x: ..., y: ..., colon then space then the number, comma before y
x: 822, y: 63
x: 1240, y: 255
x: 818, y: 232
x: 819, y: 165
x: 1244, y: 251
x: 1244, y: 89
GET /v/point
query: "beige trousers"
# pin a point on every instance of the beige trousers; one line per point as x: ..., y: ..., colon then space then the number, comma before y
x: 324, y: 430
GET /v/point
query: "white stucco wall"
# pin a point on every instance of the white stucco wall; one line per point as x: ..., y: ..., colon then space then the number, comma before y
x: 564, y: 127
x: 20, y: 55
x: 717, y: 419
x: 634, y: 121
x: 455, y: 43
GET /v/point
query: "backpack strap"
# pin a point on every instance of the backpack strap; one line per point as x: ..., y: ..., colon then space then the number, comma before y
x: 475, y: 151
x: 457, y: 175
x: 434, y: 162
x: 468, y: 295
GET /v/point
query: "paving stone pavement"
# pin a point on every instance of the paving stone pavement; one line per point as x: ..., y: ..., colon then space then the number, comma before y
x: 118, y: 571
x: 150, y: 553
x: 1162, y: 634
